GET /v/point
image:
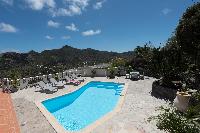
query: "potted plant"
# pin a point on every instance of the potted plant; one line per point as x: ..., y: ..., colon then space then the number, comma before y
x: 111, y: 73
x: 93, y: 73
x: 14, y: 86
x: 182, y: 99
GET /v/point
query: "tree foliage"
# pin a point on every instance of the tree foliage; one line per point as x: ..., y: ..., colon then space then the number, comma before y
x: 188, y: 30
x: 181, y: 60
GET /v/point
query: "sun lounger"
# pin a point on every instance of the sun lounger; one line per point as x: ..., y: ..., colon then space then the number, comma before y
x: 80, y: 79
x: 73, y: 76
x: 72, y: 81
x: 46, y: 86
x: 77, y: 78
x: 56, y: 84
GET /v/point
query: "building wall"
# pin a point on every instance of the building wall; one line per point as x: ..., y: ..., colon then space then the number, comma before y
x: 101, y: 72
x: 87, y: 72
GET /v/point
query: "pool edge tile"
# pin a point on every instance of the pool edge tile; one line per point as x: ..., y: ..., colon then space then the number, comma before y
x: 50, y: 118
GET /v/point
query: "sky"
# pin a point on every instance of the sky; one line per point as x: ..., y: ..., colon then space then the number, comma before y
x: 111, y: 25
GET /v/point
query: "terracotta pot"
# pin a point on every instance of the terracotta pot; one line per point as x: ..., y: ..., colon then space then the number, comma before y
x: 181, y: 101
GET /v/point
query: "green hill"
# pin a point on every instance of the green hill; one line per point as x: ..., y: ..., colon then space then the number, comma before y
x: 49, y: 61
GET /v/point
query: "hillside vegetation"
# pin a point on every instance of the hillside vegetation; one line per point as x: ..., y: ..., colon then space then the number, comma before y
x: 16, y: 65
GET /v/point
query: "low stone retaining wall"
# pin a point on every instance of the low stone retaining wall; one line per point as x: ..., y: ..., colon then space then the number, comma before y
x: 163, y: 92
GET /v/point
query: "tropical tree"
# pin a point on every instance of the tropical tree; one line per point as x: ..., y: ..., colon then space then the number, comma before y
x: 188, y: 37
x: 118, y: 62
x: 111, y: 71
x: 188, y: 32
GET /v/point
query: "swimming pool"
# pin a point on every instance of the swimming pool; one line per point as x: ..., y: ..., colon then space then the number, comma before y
x: 81, y: 108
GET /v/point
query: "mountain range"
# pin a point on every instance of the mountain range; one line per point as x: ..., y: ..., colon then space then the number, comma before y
x: 25, y: 64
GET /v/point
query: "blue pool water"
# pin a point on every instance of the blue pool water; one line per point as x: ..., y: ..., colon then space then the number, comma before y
x: 77, y: 110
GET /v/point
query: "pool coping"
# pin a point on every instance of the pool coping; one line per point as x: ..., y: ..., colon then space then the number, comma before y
x: 60, y: 129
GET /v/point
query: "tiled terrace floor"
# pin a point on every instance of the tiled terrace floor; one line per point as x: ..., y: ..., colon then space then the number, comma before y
x: 8, y: 119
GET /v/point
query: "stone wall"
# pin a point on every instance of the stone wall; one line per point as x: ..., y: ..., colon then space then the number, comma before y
x: 163, y: 92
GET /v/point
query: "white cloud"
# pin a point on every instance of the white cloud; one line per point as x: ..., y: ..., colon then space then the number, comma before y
x: 166, y: 11
x: 53, y: 24
x: 67, y: 8
x: 63, y: 8
x: 8, y: 2
x: 9, y: 50
x: 7, y: 28
x: 73, y: 7
x: 71, y: 27
x: 98, y: 5
x: 91, y: 32
x: 49, y: 37
x: 66, y: 37
x: 40, y: 4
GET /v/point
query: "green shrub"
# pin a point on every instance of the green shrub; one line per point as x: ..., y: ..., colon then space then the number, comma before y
x: 172, y: 121
x: 111, y: 72
x: 193, y: 113
x: 93, y: 73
